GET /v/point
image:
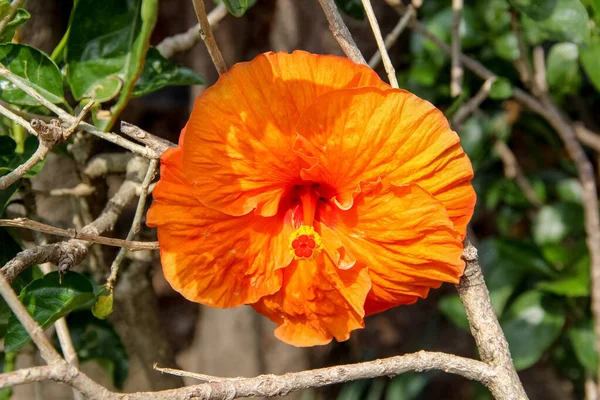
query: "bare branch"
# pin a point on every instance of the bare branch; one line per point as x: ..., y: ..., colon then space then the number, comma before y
x: 512, y: 170
x: 12, y: 115
x: 393, y: 36
x: 521, y: 63
x: 107, y: 163
x: 539, y: 63
x: 485, y: 328
x: 17, y: 173
x: 13, y: 10
x: 135, y: 225
x: 471, y: 105
x: 587, y: 137
x: 185, y: 41
x: 37, y: 334
x: 387, y: 63
x: 207, y: 35
x: 159, y: 145
x: 264, y: 385
x: 74, y: 234
x: 340, y: 32
x: 69, y: 119
x: 456, y: 73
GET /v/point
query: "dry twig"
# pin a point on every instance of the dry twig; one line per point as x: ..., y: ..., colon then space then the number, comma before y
x: 456, y: 72
x: 340, y: 32
x: 471, y: 105
x: 187, y: 40
x: 387, y: 63
x: 393, y: 36
x: 208, y: 38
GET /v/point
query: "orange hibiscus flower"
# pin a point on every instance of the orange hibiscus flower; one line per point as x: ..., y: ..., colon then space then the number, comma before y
x: 307, y: 187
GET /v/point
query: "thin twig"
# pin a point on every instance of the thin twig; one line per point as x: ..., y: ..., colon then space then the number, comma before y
x: 387, y: 63
x: 193, y: 375
x: 74, y: 234
x: 158, y: 144
x: 587, y: 137
x: 340, y: 32
x: 456, y: 72
x: 35, y: 332
x: 521, y: 63
x: 14, y: 175
x: 540, y: 84
x: 13, y: 10
x: 264, y: 385
x: 512, y: 170
x: 185, y: 41
x: 393, y: 36
x: 69, y: 119
x: 471, y: 105
x: 12, y: 115
x: 135, y: 225
x: 208, y: 37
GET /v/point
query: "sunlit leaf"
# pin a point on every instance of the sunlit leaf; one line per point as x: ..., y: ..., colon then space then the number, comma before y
x: 582, y: 339
x: 562, y: 68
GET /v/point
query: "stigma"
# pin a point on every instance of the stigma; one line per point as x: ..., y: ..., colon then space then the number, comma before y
x: 305, y: 243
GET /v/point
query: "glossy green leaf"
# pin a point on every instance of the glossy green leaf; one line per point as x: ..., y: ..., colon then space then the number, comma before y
x: 21, y: 16
x: 353, y: 8
x: 583, y: 342
x: 553, y: 223
x: 159, y: 72
x: 48, y: 299
x: 35, y: 66
x: 105, y: 59
x: 589, y: 54
x: 531, y: 325
x: 96, y: 340
x: 573, y: 282
x: 535, y: 9
x: 501, y: 89
x: 452, y: 308
x: 568, y: 22
x: 562, y: 68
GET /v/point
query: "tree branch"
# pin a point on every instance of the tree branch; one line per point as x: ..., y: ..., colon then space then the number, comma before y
x: 393, y: 36
x: 208, y: 38
x: 340, y: 32
x: 471, y: 105
x: 387, y: 63
x: 185, y: 41
x: 456, y: 72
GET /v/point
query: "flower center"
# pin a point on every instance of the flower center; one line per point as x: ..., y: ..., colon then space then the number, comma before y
x: 305, y: 243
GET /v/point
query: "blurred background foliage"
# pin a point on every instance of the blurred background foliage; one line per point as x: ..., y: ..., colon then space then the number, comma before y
x: 531, y: 245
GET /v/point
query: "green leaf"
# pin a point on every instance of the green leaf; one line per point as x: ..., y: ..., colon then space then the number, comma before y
x: 159, y: 72
x: 237, y: 8
x: 353, y: 8
x: 103, y: 307
x: 589, y: 54
x: 568, y: 22
x: 501, y: 89
x: 37, y: 68
x: 48, y: 299
x: 21, y: 16
x: 537, y: 10
x: 562, y: 70
x: 453, y: 309
x: 573, y: 282
x: 583, y: 342
x: 553, y: 223
x: 569, y: 190
x: 105, y: 59
x: 506, y: 46
x: 96, y: 340
x: 531, y: 325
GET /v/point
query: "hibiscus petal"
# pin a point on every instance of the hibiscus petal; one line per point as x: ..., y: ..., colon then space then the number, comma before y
x: 405, y: 238
x: 317, y: 302
x: 241, y: 132
x: 359, y: 135
x: 210, y: 257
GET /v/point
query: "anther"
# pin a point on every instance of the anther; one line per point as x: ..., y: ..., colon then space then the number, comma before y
x: 305, y: 243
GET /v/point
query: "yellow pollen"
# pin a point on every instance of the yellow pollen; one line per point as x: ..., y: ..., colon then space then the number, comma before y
x: 305, y: 243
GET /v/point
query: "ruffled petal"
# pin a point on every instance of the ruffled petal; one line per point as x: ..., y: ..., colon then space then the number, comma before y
x: 238, y: 148
x: 317, y: 302
x: 210, y: 257
x: 361, y: 135
x: 403, y: 236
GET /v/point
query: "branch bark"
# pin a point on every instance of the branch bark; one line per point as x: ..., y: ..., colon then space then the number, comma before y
x: 207, y: 35
x: 340, y: 32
